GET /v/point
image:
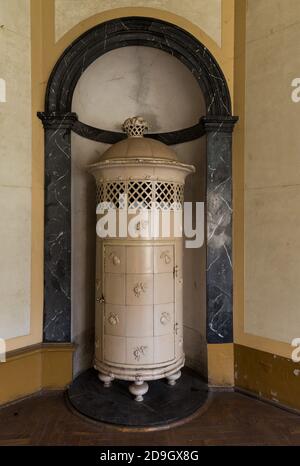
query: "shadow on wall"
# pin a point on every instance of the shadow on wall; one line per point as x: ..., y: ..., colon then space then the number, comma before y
x: 126, y: 82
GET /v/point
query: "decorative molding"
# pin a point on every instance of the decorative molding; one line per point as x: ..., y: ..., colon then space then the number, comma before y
x: 113, y: 319
x: 21, y: 352
x: 69, y: 120
x: 56, y: 120
x: 139, y: 288
x: 165, y: 255
x: 115, y: 259
x: 165, y: 318
x: 219, y: 124
x: 139, y: 352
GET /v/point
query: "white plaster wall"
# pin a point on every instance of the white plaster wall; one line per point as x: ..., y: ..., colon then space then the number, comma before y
x: 15, y: 168
x: 206, y: 14
x: 272, y: 171
x: 122, y: 83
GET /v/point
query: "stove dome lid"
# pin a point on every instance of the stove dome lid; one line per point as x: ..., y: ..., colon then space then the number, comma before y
x: 135, y: 146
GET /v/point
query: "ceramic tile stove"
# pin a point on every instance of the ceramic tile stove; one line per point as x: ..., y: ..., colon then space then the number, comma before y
x: 139, y: 272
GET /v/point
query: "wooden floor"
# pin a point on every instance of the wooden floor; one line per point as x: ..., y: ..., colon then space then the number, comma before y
x: 230, y: 419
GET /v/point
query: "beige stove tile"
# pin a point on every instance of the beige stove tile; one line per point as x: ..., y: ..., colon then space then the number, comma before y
x: 139, y: 259
x: 164, y: 319
x: 114, y: 320
x: 139, y: 289
x: 114, y: 349
x: 114, y: 288
x: 139, y: 351
x: 114, y: 259
x: 164, y: 348
x: 163, y: 288
x: 139, y: 321
x: 163, y: 259
x: 178, y: 345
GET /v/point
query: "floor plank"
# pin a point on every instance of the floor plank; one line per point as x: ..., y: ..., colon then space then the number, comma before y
x: 230, y: 419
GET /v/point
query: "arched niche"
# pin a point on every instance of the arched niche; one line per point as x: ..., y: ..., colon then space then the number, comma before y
x: 134, y: 80
x: 59, y: 121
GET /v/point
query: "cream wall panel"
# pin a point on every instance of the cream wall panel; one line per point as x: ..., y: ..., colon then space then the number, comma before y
x: 272, y: 171
x: 15, y: 113
x: 137, y: 79
x: 15, y: 168
x: 272, y: 294
x: 15, y: 254
x: 15, y: 16
x: 272, y: 135
x: 204, y: 13
x: 266, y: 17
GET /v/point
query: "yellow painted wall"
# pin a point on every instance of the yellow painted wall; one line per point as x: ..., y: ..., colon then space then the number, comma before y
x: 265, y: 179
x: 266, y: 174
x: 206, y: 14
x: 267, y: 297
x: 15, y: 169
x: 272, y: 171
x: 37, y: 367
x: 21, y: 184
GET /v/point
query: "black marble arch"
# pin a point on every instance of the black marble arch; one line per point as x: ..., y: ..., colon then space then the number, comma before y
x: 111, y: 137
x: 59, y: 121
x: 70, y: 121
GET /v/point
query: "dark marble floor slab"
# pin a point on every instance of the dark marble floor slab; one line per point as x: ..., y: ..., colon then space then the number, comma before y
x: 162, y: 405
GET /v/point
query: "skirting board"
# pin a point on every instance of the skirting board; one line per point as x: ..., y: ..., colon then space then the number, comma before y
x: 28, y: 370
x: 267, y: 375
x: 49, y: 366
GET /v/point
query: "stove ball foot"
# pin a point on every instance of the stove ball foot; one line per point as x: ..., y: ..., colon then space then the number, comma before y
x: 172, y: 379
x: 139, y: 388
x: 106, y: 379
